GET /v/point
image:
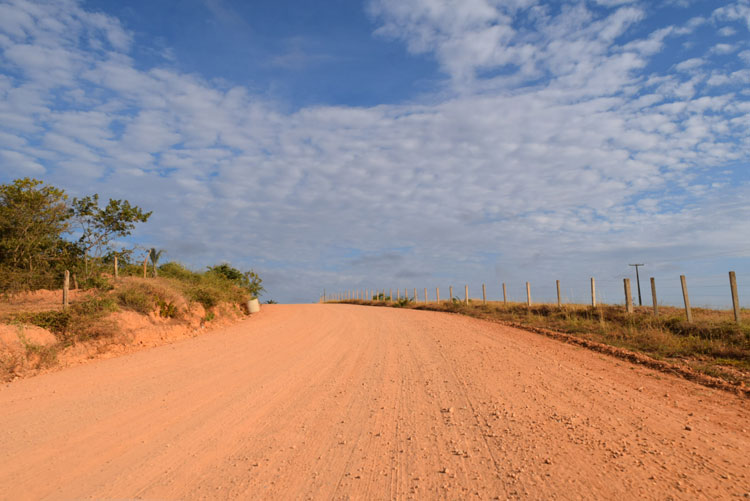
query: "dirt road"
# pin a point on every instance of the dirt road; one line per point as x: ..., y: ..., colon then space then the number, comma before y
x: 337, y: 401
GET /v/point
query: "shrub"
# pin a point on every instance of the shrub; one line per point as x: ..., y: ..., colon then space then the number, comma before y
x: 207, y: 296
x: 57, y: 322
x: 46, y: 356
x: 136, y: 299
x: 167, y: 309
x: 96, y: 282
x: 403, y: 302
x: 178, y: 271
x: 96, y: 306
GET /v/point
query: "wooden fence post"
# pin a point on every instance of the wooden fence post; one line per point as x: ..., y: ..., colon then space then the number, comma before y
x: 450, y: 293
x: 686, y: 299
x: 145, y: 266
x: 484, y: 294
x: 653, y: 297
x: 415, y: 295
x: 528, y: 294
x: 628, y: 296
x: 437, y: 294
x: 466, y: 294
x: 505, y: 295
x: 735, y: 296
x: 425, y: 294
x: 66, y: 289
x: 398, y: 294
x: 117, y: 271
x: 75, y: 282
x: 593, y: 292
x: 559, y: 302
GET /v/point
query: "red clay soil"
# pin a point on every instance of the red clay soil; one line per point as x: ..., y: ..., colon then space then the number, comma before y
x: 340, y: 401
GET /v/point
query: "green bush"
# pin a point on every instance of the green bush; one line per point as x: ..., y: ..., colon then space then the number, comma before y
x: 403, y: 302
x: 95, y: 306
x: 96, y: 282
x: 205, y: 295
x: 178, y: 271
x: 57, y: 322
x: 136, y: 299
x: 167, y: 309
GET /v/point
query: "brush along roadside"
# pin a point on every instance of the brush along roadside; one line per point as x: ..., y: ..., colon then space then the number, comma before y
x: 128, y: 314
x: 712, y: 350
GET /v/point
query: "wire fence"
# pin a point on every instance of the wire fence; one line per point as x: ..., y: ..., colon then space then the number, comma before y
x: 720, y: 292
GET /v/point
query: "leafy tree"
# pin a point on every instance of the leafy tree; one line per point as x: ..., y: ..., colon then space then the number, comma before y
x: 248, y: 280
x: 33, y: 218
x: 100, y: 226
x: 154, y: 255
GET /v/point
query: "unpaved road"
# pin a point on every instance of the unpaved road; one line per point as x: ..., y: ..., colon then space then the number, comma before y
x: 338, y: 401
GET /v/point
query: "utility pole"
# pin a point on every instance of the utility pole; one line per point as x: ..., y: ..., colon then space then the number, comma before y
x: 638, y: 282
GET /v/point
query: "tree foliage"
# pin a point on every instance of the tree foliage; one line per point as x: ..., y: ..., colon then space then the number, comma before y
x: 248, y: 280
x: 32, y: 219
x: 101, y: 226
x: 35, y: 220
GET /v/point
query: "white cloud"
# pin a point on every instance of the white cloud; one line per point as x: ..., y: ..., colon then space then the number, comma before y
x: 19, y: 164
x: 567, y: 145
x: 689, y: 65
x: 735, y: 11
x: 723, y: 48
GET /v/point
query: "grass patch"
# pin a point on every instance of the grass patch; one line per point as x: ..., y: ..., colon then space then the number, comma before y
x: 207, y: 288
x: 40, y: 356
x: 146, y: 296
x: 82, y: 321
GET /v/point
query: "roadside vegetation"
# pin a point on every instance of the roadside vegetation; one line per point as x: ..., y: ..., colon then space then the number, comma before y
x: 43, y: 234
x: 713, y: 344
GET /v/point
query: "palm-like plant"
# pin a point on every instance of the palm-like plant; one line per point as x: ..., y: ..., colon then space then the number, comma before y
x: 155, y: 255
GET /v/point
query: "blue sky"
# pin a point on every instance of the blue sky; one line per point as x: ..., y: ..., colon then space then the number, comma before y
x: 391, y: 143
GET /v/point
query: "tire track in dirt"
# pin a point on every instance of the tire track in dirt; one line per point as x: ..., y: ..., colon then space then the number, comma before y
x: 339, y: 401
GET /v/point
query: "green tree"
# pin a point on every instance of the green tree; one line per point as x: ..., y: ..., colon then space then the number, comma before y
x: 248, y: 280
x: 100, y: 226
x: 33, y: 218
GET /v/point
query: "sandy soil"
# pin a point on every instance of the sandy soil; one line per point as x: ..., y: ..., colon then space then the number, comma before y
x: 339, y: 401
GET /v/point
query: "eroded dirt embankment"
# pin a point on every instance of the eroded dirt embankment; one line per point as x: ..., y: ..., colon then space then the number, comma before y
x: 339, y: 401
x: 28, y: 350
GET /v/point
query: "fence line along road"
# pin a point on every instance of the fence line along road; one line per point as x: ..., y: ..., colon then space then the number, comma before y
x: 368, y: 295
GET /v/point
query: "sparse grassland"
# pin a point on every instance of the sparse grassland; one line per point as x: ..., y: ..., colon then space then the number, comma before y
x: 713, y: 344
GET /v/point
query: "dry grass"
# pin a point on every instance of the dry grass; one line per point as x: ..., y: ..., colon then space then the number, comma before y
x: 712, y: 344
x: 88, y: 318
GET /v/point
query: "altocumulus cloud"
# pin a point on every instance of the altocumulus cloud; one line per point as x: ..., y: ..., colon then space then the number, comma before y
x: 566, y: 140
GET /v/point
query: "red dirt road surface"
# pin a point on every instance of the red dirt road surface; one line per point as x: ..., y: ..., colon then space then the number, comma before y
x: 353, y: 402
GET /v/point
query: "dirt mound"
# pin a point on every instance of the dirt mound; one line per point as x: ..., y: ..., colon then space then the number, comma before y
x: 16, y: 339
x: 27, y: 350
